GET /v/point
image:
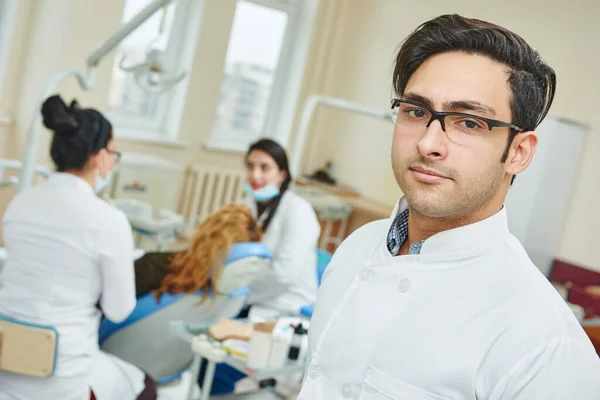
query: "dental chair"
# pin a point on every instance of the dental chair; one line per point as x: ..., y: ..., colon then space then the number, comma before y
x: 323, y: 259
x: 145, y: 338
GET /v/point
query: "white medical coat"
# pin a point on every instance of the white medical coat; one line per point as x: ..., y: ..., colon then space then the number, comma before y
x: 468, y: 318
x: 67, y: 251
x: 292, y: 237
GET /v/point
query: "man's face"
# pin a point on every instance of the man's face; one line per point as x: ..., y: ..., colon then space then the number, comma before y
x: 440, y: 176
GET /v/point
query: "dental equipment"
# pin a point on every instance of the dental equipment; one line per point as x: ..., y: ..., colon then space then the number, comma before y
x: 15, y: 165
x: 149, y: 75
x: 332, y: 102
x: 86, y: 82
x: 160, y: 226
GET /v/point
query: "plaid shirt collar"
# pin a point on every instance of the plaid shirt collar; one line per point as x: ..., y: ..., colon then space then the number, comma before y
x: 398, y: 234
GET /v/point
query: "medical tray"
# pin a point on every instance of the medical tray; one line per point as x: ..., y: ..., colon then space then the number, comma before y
x: 187, y: 331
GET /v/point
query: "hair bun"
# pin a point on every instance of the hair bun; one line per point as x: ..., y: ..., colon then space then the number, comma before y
x: 58, y: 117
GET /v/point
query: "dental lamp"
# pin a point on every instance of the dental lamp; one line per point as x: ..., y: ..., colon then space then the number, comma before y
x: 332, y: 102
x: 149, y: 75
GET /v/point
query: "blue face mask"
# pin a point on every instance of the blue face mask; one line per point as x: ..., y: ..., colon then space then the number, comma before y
x: 263, y: 194
x: 101, y: 183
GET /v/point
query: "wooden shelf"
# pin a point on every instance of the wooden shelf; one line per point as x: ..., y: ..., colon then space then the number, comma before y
x: 359, y: 203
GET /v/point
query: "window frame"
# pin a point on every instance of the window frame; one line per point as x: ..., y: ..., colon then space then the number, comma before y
x: 178, y: 56
x: 288, y: 76
x: 8, y: 16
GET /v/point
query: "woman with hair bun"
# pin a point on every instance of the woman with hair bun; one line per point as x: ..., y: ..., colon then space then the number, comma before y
x: 69, y: 260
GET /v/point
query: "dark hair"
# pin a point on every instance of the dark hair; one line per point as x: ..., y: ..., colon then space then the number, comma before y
x: 78, y: 133
x: 278, y: 154
x: 532, y: 82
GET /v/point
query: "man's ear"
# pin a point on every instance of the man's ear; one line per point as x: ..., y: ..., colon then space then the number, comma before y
x: 521, y: 152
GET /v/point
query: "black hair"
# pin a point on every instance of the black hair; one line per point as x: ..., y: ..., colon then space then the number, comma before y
x: 279, y: 155
x: 532, y: 82
x: 78, y: 133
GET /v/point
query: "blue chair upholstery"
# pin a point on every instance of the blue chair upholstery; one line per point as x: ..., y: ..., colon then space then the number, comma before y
x: 323, y: 259
x: 243, y: 250
x: 307, y: 311
x: 144, y: 339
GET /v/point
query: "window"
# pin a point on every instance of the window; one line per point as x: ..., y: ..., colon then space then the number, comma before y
x: 8, y: 10
x: 134, y: 111
x: 269, y: 39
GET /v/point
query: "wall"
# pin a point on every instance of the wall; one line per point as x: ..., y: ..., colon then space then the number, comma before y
x: 11, y: 85
x: 565, y: 33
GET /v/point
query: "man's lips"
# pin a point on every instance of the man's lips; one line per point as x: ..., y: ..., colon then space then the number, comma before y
x: 426, y: 174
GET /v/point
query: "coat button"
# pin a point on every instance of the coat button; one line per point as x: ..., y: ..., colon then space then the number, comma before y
x: 364, y: 275
x: 404, y: 285
x: 314, y: 371
x: 347, y: 390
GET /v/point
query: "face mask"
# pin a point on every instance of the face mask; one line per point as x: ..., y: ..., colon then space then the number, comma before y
x: 101, y: 183
x: 265, y: 193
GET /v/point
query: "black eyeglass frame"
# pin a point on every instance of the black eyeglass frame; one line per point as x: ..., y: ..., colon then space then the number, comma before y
x: 116, y: 154
x: 441, y: 115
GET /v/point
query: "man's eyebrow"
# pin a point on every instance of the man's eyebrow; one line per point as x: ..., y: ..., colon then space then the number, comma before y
x: 465, y: 105
x: 417, y: 98
x: 470, y: 106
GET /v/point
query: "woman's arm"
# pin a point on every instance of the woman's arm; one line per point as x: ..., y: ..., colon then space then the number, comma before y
x: 116, y: 246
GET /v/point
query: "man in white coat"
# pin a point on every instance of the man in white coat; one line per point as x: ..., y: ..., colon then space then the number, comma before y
x: 441, y: 301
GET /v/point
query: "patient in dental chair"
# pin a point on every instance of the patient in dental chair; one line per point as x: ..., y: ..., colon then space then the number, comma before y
x: 199, y: 266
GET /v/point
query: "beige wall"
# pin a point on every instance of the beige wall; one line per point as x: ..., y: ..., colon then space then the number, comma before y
x: 565, y: 33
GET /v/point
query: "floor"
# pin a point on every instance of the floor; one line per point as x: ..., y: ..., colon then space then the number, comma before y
x: 286, y: 390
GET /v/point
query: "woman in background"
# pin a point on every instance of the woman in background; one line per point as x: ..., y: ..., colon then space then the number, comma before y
x: 67, y: 252
x: 291, y: 230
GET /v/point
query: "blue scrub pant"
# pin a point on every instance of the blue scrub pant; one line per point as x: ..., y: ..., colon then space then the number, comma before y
x: 225, y: 378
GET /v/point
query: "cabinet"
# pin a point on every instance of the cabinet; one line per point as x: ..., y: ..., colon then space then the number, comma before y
x: 537, y: 202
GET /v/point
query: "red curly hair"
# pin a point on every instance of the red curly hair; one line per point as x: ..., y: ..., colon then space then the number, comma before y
x: 199, y: 267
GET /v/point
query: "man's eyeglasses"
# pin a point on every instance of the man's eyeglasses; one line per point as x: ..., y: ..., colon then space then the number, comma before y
x: 458, y: 126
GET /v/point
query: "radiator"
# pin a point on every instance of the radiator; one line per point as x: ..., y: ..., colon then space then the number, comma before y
x: 205, y: 189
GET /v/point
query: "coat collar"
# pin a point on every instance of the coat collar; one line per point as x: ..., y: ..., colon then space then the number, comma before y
x: 469, y: 237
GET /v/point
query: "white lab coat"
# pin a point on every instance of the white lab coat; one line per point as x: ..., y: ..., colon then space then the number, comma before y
x: 468, y: 318
x: 67, y: 251
x: 292, y: 237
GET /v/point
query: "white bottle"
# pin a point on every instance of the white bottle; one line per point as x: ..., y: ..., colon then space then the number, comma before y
x: 279, y: 350
x: 259, y: 349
